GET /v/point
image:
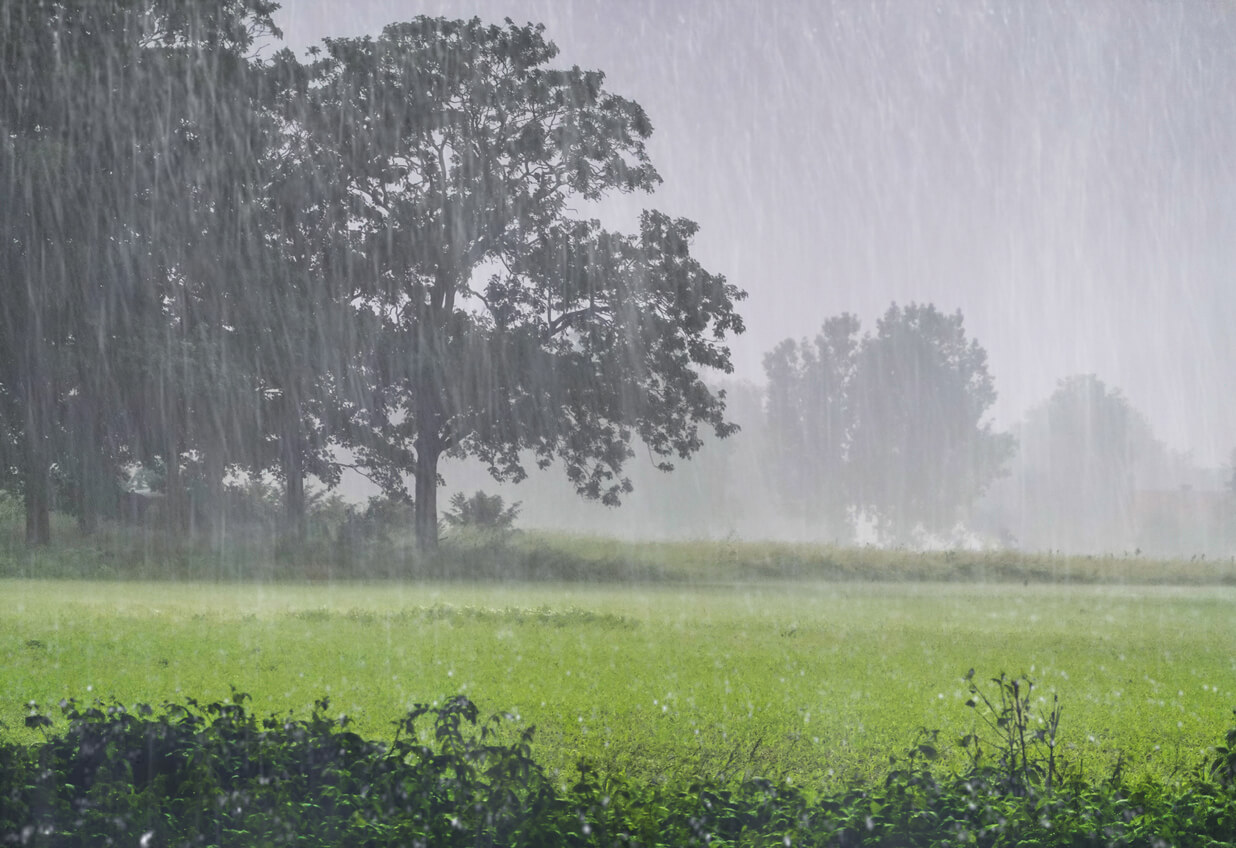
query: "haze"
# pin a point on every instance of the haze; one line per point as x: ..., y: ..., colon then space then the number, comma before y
x: 1058, y: 171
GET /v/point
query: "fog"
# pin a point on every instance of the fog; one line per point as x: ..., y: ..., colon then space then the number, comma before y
x: 1057, y: 171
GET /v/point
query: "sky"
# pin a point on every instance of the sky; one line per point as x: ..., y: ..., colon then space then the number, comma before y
x: 1064, y: 173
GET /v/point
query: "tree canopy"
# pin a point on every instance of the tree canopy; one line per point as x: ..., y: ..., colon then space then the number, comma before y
x: 508, y: 326
x: 212, y: 261
x: 890, y: 426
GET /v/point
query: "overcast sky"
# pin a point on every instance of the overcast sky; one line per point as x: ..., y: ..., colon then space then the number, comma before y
x: 1064, y: 173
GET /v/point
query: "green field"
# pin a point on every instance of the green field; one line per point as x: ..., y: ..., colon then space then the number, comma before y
x: 816, y: 682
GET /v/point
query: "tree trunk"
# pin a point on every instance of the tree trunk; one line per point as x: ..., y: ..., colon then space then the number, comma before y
x: 176, y: 496
x: 94, y: 486
x: 87, y: 508
x: 38, y: 398
x: 38, y: 496
x: 426, y: 504
x: 294, y: 494
x: 37, y: 472
x: 293, y: 462
x: 428, y: 448
x: 214, y: 514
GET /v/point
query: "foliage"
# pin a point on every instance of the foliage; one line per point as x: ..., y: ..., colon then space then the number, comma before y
x: 921, y: 442
x: 373, y: 249
x: 214, y: 771
x: 99, y: 102
x: 482, y: 511
x: 1025, y: 743
x: 118, y: 773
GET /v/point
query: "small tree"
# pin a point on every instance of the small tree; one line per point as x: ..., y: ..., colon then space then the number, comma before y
x: 483, y: 512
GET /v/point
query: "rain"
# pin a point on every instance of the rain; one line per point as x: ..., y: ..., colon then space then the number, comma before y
x: 1056, y: 171
x: 540, y: 412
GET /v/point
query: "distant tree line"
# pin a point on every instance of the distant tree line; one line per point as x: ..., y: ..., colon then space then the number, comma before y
x: 890, y: 428
x: 212, y: 263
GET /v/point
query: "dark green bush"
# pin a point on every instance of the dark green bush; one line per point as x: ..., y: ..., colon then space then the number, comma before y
x: 214, y: 774
x: 482, y: 512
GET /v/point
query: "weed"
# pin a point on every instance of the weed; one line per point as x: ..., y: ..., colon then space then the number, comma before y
x: 1025, y: 742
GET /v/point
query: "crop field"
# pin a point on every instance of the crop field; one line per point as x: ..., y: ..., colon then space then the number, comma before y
x: 813, y: 682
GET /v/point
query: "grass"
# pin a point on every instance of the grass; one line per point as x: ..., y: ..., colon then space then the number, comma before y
x: 817, y: 682
x: 536, y: 556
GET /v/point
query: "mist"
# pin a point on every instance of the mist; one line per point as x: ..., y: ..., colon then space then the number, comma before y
x: 1056, y: 171
x: 596, y: 421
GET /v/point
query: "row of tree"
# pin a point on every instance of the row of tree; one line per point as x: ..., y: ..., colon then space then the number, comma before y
x: 891, y: 428
x: 212, y: 263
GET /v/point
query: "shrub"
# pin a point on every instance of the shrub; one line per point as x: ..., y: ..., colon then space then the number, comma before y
x: 482, y: 512
x: 214, y: 774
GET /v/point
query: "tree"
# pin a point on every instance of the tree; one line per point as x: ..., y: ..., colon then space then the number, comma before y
x: 85, y: 91
x: 921, y: 452
x: 263, y: 293
x: 810, y: 413
x: 508, y: 326
x: 1231, y: 473
x: 1081, y: 451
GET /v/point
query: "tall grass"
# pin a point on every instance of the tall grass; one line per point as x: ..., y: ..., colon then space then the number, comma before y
x: 258, y: 553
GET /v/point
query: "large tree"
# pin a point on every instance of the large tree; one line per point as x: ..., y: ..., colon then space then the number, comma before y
x: 80, y: 174
x: 169, y: 248
x: 508, y: 325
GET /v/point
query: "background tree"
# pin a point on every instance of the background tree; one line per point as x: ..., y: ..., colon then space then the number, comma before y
x: 921, y: 452
x: 508, y: 326
x: 810, y: 415
x: 1081, y: 454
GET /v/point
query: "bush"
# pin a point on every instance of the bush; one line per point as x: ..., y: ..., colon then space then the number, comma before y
x: 482, y: 512
x: 214, y: 774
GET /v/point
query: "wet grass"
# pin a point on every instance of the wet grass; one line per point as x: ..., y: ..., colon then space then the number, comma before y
x: 733, y: 560
x: 817, y: 682
x: 134, y: 554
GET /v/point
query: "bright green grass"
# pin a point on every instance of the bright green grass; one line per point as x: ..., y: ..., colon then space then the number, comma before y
x: 800, y: 680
